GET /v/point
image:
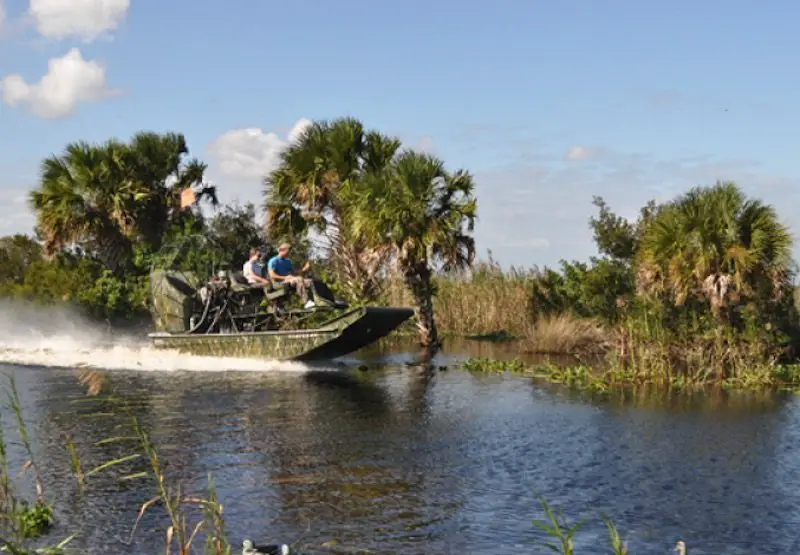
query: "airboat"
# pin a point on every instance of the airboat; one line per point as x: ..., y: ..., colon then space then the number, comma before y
x: 202, y: 306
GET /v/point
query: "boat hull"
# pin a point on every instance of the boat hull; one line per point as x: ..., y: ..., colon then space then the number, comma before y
x: 345, y: 334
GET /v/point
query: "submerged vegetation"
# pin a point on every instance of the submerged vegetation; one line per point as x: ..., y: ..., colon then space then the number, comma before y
x: 696, y: 290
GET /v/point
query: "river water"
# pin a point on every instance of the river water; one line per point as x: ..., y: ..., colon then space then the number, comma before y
x: 403, y: 458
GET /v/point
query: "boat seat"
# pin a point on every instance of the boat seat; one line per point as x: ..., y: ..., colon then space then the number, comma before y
x: 239, y: 284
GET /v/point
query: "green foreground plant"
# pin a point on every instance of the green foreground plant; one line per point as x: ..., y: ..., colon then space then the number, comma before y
x: 181, y: 509
x: 21, y: 520
x: 557, y: 527
x: 181, y: 532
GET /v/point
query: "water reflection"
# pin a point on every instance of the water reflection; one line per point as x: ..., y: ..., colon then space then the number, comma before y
x: 411, y: 459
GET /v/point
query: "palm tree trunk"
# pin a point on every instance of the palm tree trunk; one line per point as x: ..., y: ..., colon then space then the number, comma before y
x: 418, y: 280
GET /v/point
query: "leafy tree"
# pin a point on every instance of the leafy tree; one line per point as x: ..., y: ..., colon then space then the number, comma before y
x: 159, y: 164
x: 17, y: 253
x: 107, y: 197
x: 236, y: 231
x: 615, y: 236
x: 424, y: 215
x: 85, y: 198
x: 304, y: 197
x: 715, y: 245
x: 603, y: 289
x: 76, y: 279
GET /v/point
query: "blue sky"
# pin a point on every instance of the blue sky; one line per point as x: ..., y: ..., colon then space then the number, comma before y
x: 547, y: 103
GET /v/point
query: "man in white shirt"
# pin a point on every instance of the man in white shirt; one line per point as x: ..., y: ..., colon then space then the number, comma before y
x: 252, y: 269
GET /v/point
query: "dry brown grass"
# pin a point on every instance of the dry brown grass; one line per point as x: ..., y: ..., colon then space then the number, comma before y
x: 486, y: 301
x: 490, y: 300
x: 565, y: 334
x: 94, y: 380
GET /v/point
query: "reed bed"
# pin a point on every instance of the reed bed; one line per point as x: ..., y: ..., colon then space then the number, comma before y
x: 565, y: 334
x: 483, y: 301
x: 495, y: 304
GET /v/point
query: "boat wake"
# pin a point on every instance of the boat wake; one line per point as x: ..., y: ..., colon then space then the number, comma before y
x: 56, y: 337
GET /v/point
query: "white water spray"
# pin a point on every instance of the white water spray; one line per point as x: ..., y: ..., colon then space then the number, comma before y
x: 58, y: 337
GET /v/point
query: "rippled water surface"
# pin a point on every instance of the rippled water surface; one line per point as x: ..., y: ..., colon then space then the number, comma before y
x: 397, y: 459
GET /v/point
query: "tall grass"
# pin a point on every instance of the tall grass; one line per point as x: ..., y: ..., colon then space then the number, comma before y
x: 561, y: 532
x: 484, y: 300
x: 490, y: 301
x: 181, y: 508
x: 21, y: 520
x: 647, y: 352
x: 565, y: 334
x: 182, y: 532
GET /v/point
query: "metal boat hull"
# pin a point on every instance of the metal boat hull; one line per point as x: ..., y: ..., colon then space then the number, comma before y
x: 345, y: 334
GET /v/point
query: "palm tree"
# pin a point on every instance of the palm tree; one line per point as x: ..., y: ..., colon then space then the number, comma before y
x: 303, y: 196
x: 424, y: 214
x: 87, y: 197
x: 159, y: 166
x: 107, y: 197
x: 714, y: 245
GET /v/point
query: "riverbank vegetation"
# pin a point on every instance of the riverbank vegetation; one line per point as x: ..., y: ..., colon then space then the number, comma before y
x: 699, y: 289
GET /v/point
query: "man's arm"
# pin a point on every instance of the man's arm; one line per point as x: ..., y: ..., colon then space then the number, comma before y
x: 260, y: 279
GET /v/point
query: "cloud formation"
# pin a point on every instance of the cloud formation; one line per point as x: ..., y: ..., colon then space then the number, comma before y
x: 240, y: 158
x: 87, y: 20
x: 578, y: 152
x: 250, y: 152
x: 539, y: 213
x: 69, y: 81
x: 535, y: 208
x: 15, y: 217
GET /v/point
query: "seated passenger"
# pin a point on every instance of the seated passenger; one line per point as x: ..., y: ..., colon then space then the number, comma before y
x: 281, y: 272
x: 253, y: 271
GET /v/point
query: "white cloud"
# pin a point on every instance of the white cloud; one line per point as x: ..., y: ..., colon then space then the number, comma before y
x: 15, y: 216
x: 524, y: 207
x: 578, y: 152
x: 298, y: 129
x: 69, y: 80
x: 84, y: 19
x: 251, y: 153
x: 426, y: 145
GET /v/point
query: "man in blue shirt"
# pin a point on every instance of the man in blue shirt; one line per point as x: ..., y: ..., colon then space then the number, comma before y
x: 281, y: 272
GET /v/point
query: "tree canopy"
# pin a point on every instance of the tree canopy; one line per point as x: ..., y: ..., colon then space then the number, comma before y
x: 106, y: 197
